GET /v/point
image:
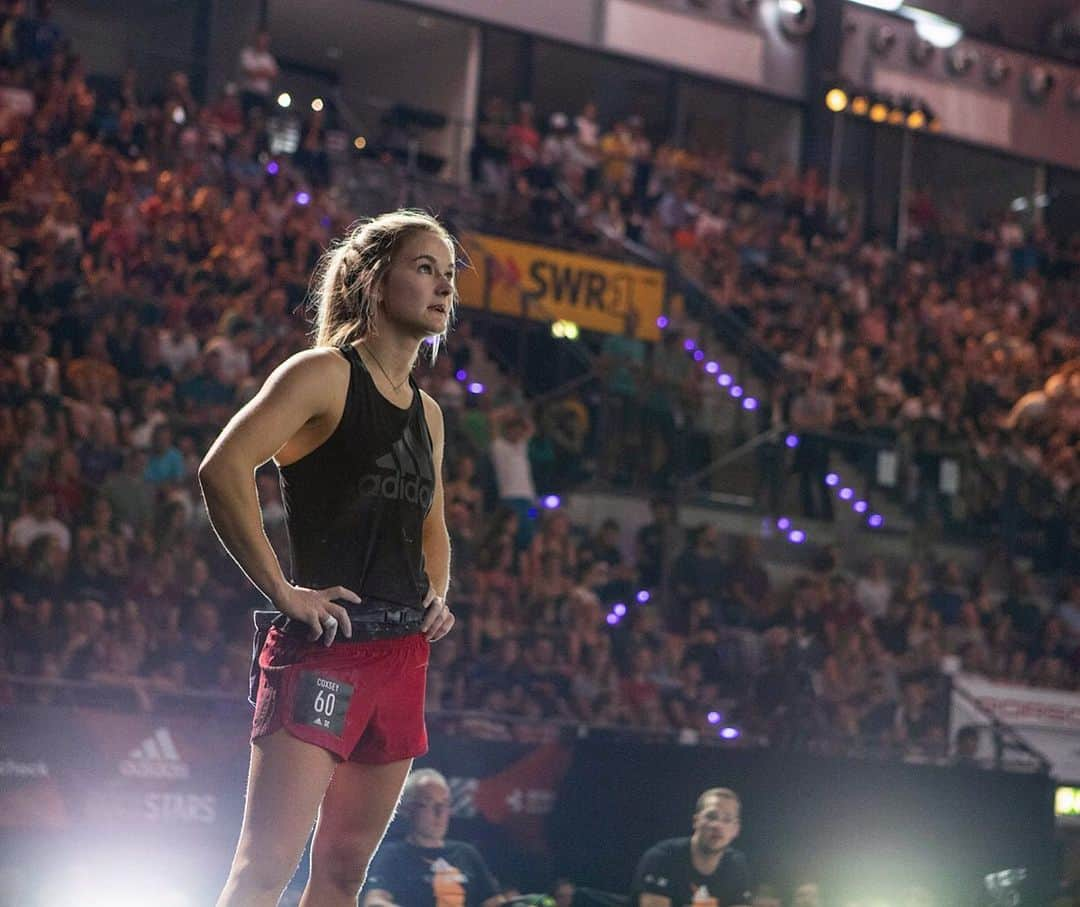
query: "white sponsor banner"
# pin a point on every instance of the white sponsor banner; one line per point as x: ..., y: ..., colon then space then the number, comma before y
x: 1047, y: 720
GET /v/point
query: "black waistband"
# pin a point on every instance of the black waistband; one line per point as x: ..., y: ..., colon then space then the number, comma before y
x: 370, y: 616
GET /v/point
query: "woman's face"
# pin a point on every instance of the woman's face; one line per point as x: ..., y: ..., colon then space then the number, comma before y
x: 418, y: 291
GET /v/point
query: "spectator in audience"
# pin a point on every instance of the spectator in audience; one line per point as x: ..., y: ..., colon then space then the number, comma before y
x: 425, y: 867
x: 512, y: 431
x: 39, y: 520
x: 259, y: 70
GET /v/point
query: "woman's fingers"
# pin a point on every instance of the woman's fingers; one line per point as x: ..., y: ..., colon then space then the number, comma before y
x: 444, y: 626
x: 342, y: 615
x: 342, y: 592
x: 433, y: 613
x: 330, y: 627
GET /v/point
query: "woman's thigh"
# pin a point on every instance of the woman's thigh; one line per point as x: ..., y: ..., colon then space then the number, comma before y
x: 356, y: 810
x: 286, y: 782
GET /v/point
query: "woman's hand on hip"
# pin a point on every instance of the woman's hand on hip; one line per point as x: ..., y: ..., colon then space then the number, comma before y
x: 438, y: 619
x: 318, y: 609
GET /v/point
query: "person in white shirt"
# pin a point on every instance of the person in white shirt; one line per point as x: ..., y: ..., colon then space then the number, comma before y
x: 39, y: 519
x: 512, y: 430
x: 874, y: 590
x: 178, y: 346
x: 259, y: 70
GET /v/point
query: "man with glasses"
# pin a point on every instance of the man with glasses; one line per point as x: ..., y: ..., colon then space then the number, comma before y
x: 425, y: 869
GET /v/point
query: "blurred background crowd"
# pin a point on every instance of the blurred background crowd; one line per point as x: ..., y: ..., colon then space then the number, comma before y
x: 154, y: 266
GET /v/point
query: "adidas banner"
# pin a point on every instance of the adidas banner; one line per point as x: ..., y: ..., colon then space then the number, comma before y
x: 164, y: 795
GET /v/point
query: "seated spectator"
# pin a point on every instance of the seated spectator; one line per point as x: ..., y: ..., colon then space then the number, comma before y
x: 425, y: 867
x: 39, y: 519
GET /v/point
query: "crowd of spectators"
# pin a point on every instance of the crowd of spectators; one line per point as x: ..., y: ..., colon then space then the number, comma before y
x: 964, y: 347
x: 154, y: 266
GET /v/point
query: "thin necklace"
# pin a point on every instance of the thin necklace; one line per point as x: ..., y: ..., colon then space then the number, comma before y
x: 381, y: 369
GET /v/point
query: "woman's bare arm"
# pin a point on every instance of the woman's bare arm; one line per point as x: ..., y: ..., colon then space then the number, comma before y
x: 298, y: 392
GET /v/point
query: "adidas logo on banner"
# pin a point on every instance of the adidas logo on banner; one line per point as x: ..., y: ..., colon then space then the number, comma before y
x: 155, y: 757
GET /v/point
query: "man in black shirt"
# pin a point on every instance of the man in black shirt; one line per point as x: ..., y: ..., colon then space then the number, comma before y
x: 424, y: 869
x: 702, y: 870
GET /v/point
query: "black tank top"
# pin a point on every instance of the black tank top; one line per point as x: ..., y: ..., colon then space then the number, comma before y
x: 355, y: 506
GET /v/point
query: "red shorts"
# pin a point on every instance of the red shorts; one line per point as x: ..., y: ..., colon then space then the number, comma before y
x: 362, y: 701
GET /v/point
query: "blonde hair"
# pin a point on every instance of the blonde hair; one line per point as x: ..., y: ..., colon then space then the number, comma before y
x: 350, y: 274
x: 719, y: 793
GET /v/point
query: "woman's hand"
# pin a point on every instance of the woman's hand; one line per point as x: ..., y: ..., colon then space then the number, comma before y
x: 317, y: 609
x: 437, y: 617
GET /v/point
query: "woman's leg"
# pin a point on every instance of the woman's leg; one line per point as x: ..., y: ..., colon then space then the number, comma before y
x: 352, y: 821
x: 286, y: 782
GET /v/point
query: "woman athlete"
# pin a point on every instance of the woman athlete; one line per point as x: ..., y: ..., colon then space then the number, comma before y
x: 338, y: 682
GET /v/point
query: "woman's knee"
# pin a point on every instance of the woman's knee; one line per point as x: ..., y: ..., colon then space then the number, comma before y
x: 344, y: 864
x: 265, y: 870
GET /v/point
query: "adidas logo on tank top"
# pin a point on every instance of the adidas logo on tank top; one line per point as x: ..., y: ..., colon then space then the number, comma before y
x: 400, y: 479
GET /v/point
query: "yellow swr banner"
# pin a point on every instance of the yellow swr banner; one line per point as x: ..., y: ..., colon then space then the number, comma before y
x: 529, y: 281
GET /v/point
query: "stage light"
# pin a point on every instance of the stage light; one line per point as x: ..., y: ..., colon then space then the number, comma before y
x: 712, y: 367
x: 832, y: 480
x: 284, y: 100
x: 879, y: 111
x: 724, y: 379
x: 791, y: 7
x: 736, y: 391
x: 317, y: 104
x: 935, y: 124
x: 272, y: 168
x: 729, y: 733
x: 860, y: 105
x: 476, y: 388
x: 846, y: 494
x: 860, y: 506
x: 619, y: 609
x: 876, y: 520
x: 564, y: 329
x: 303, y: 198
x: 796, y: 536
x: 749, y: 404
x: 714, y: 717
x: 698, y: 355
x: 359, y: 143
x: 792, y: 441
x: 551, y: 501
x: 179, y: 115
x: 783, y: 524
x: 612, y: 620
x: 689, y: 345
x: 896, y: 117
x: 836, y: 100
x: 916, y: 119
x: 662, y: 322
x: 932, y: 28
x: 643, y: 596
x: 461, y: 374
